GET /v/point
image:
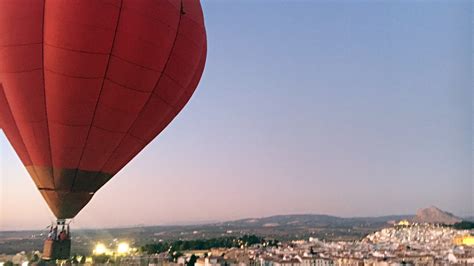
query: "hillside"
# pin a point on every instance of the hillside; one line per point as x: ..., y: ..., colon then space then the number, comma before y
x: 435, y: 215
x: 313, y: 220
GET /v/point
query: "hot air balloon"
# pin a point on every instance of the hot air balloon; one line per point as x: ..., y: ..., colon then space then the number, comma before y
x: 87, y: 84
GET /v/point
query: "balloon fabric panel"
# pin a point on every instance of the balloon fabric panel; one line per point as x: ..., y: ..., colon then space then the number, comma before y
x: 86, y: 85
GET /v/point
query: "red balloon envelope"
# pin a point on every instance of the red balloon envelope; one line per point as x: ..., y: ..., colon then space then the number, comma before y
x: 87, y: 84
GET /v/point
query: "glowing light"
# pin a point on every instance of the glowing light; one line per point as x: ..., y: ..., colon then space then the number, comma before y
x: 404, y: 223
x: 25, y: 263
x: 468, y: 241
x: 123, y: 248
x: 100, y: 249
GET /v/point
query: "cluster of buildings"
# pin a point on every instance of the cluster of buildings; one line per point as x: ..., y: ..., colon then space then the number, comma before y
x: 402, y: 244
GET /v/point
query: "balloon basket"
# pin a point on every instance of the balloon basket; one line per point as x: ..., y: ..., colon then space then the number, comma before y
x: 57, y: 249
x: 58, y: 244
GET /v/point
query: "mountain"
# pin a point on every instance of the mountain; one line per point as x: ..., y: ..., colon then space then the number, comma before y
x: 435, y: 215
x: 313, y: 221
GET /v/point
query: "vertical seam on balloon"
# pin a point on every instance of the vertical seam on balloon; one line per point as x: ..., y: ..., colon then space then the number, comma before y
x: 181, y: 12
x: 146, y: 141
x: 16, y: 126
x: 175, y: 106
x: 44, y: 95
x: 98, y: 98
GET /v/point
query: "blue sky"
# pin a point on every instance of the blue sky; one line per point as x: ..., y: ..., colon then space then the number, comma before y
x: 350, y: 108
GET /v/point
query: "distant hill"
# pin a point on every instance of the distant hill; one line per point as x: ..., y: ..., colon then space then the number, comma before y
x: 314, y: 220
x: 435, y: 215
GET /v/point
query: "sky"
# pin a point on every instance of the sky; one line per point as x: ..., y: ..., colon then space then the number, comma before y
x: 347, y: 108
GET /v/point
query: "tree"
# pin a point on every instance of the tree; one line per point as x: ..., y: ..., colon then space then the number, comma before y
x: 192, y: 260
x: 175, y: 255
x: 35, y: 258
x: 464, y: 225
x: 74, y: 260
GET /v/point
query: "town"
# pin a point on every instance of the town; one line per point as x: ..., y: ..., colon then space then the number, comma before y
x: 401, y: 244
